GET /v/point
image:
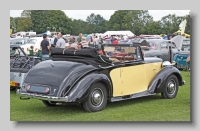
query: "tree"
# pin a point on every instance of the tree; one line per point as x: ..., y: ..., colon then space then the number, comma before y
x: 187, y: 28
x: 12, y: 23
x: 96, y: 23
x: 39, y: 20
x: 170, y: 23
x: 42, y: 19
x: 134, y: 20
x: 79, y: 26
x: 24, y: 24
x: 116, y: 21
x: 26, y: 13
x: 140, y: 19
x: 153, y: 28
x: 58, y: 19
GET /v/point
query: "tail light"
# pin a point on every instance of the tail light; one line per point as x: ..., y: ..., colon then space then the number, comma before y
x: 28, y: 87
x: 16, y: 84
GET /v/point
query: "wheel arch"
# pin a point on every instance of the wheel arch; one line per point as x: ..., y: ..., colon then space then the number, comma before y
x: 157, y: 84
x: 179, y: 78
x: 79, y: 93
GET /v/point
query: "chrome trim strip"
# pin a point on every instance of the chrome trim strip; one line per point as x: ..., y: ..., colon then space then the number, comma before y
x: 105, y: 61
x: 42, y: 97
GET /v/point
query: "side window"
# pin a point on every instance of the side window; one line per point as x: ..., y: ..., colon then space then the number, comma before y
x: 22, y: 41
x: 163, y: 45
x: 152, y: 45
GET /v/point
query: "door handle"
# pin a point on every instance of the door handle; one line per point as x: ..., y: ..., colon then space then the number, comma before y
x: 154, y: 69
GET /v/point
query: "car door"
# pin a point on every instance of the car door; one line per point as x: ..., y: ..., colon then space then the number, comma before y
x: 133, y: 79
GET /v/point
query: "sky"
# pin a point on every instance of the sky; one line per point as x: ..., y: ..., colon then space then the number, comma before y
x: 82, y: 14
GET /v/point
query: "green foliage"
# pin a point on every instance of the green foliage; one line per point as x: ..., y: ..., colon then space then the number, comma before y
x: 96, y: 23
x: 24, y: 24
x: 59, y: 20
x: 39, y: 19
x: 12, y: 23
x: 187, y: 28
x: 137, y: 21
x: 170, y: 23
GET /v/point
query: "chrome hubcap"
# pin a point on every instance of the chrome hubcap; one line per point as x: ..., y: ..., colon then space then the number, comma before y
x: 171, y: 87
x: 97, y: 97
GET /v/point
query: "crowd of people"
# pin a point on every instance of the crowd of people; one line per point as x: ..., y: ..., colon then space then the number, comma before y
x: 80, y: 42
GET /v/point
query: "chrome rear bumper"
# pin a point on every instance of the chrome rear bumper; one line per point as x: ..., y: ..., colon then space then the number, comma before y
x: 42, y: 97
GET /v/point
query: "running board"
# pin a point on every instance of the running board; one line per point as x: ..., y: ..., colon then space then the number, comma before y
x: 141, y: 94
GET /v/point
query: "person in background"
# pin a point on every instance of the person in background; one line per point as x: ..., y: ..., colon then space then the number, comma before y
x: 96, y: 41
x: 45, y: 47
x: 71, y: 40
x: 126, y: 37
x: 55, y: 40
x: 79, y: 38
x: 100, y: 40
x: 67, y: 45
x: 32, y: 52
x: 61, y: 42
x: 115, y: 41
x: 112, y: 39
x: 84, y: 43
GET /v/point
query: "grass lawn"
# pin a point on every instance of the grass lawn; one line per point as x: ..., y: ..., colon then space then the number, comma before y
x: 151, y: 108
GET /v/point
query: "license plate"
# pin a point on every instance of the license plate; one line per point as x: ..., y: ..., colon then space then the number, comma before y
x: 12, y: 83
x: 38, y: 89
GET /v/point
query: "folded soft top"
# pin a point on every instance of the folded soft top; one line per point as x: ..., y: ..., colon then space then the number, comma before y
x: 86, y: 56
x: 73, y: 52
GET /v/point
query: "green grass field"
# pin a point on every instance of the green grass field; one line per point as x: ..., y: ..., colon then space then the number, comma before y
x: 151, y: 108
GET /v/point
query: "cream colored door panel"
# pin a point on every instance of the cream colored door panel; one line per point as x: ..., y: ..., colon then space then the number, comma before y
x: 151, y: 70
x: 115, y: 75
x: 133, y: 79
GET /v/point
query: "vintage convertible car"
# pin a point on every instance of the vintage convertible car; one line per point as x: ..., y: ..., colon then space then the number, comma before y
x: 20, y: 64
x: 160, y: 48
x: 87, y: 78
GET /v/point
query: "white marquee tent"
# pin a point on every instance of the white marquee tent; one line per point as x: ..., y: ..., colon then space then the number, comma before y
x: 129, y: 33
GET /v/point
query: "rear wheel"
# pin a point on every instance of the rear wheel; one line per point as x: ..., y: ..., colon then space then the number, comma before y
x: 171, y: 87
x: 97, y: 99
x: 48, y: 103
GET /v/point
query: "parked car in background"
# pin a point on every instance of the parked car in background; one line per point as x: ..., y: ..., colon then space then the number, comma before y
x: 35, y: 42
x: 161, y: 48
x: 19, y: 41
x: 88, y: 78
x: 186, y: 44
x: 181, y: 57
x: 20, y: 64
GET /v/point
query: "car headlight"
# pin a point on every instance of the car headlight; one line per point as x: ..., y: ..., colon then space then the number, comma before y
x: 166, y: 63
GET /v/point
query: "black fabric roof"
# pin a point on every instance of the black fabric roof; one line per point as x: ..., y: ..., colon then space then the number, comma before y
x: 86, y: 56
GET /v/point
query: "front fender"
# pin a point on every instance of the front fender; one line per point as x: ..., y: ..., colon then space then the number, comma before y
x: 157, y: 84
x: 81, y: 89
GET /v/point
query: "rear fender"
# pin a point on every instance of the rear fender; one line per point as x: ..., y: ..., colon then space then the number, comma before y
x: 80, y: 90
x: 157, y: 84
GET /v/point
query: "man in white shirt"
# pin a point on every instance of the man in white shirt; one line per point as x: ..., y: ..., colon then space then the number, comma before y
x: 125, y: 37
x: 61, y: 42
